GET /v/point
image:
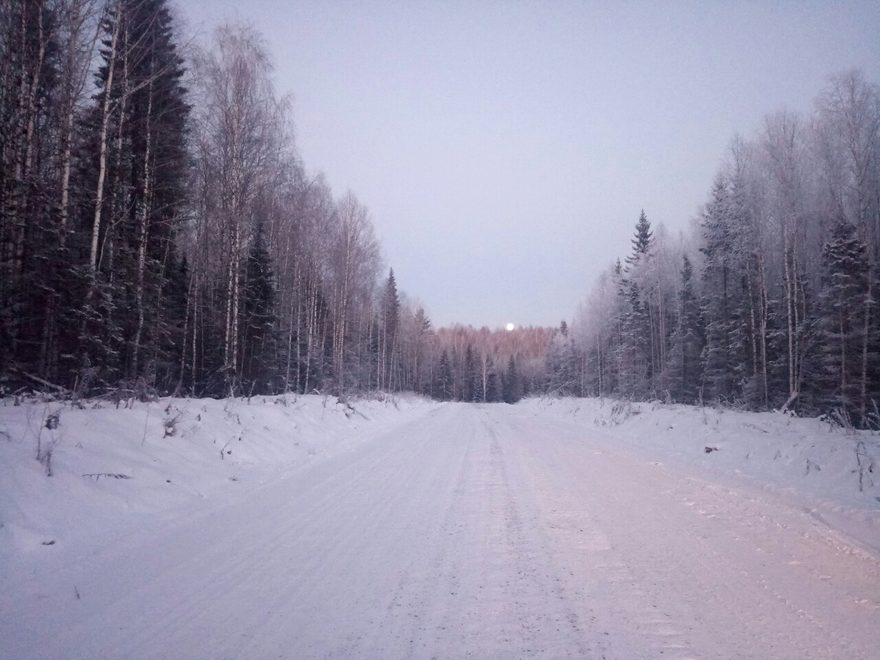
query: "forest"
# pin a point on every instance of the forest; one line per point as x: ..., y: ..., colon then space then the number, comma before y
x: 770, y: 300
x: 160, y: 234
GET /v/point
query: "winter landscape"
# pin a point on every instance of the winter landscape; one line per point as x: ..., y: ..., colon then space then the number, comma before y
x: 245, y: 415
x: 297, y: 526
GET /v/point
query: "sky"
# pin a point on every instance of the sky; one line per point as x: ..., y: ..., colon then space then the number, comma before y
x: 505, y: 149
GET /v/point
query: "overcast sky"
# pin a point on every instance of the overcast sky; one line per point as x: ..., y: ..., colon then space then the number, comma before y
x: 505, y: 149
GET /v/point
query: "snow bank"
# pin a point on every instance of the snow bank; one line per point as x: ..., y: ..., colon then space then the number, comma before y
x: 127, y: 470
x: 118, y: 470
x: 833, y: 472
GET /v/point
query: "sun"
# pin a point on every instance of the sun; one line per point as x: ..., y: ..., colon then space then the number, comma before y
x: 510, y: 327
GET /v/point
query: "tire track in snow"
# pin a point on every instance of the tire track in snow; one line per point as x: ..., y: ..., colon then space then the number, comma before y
x: 599, y: 579
x: 477, y: 531
x: 220, y: 563
x: 715, y: 563
x: 512, y: 604
x: 480, y: 584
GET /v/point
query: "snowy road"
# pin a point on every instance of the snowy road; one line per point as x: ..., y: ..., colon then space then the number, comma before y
x: 471, y: 532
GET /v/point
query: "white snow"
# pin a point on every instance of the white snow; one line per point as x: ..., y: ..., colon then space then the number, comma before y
x: 118, y: 468
x: 832, y: 472
x: 403, y: 528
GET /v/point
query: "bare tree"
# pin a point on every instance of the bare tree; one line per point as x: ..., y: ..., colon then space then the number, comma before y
x: 353, y: 270
x: 239, y: 134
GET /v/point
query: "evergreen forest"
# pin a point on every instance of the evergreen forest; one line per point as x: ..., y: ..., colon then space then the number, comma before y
x: 160, y: 234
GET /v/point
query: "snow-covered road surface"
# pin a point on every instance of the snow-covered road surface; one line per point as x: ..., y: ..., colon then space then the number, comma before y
x: 474, y: 531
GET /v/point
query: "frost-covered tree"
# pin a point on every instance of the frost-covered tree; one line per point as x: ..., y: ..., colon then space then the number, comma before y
x: 442, y: 387
x: 773, y: 266
x: 846, y: 287
x: 512, y: 382
x: 389, y: 308
x: 469, y: 376
x: 684, y: 369
x: 563, y: 364
x: 720, y: 302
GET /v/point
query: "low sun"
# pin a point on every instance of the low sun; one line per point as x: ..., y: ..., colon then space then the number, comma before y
x: 510, y: 327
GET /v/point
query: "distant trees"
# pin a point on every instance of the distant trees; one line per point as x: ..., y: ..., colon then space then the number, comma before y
x: 464, y: 363
x: 773, y: 302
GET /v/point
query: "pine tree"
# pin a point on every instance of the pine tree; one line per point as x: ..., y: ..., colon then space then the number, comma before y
x: 683, y: 371
x: 609, y: 377
x: 159, y: 172
x: 561, y: 364
x: 493, y: 395
x: 469, y: 377
x: 422, y: 332
x: 513, y: 385
x: 443, y: 382
x: 634, y: 347
x: 29, y: 234
x: 845, y: 286
x: 641, y: 242
x: 637, y: 337
x: 259, y: 362
x: 722, y: 301
x: 388, y: 331
x: 172, y: 329
x: 135, y: 165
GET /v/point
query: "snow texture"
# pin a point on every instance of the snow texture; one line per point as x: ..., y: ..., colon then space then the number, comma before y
x: 303, y: 527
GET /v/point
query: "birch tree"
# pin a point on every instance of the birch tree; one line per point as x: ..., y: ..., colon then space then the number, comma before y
x: 238, y: 134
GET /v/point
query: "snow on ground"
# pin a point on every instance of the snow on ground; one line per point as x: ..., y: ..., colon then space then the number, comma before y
x: 554, y: 528
x: 119, y: 468
x: 833, y: 472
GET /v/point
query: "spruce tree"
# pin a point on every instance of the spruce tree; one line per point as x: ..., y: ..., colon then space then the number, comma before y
x: 469, y: 379
x: 684, y: 368
x: 443, y: 381
x: 722, y: 297
x: 513, y: 385
x: 134, y: 165
x: 172, y: 329
x: 641, y: 242
x: 493, y: 393
x: 561, y: 364
x: 388, y: 331
x: 634, y: 346
x: 845, y: 286
x: 259, y: 362
x: 636, y: 331
x: 29, y: 236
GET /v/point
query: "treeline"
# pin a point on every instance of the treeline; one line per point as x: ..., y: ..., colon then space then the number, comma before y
x: 771, y: 300
x: 159, y: 233
x: 157, y: 229
x: 483, y: 365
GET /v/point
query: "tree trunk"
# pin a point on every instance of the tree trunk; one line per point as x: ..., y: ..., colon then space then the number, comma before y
x: 143, y: 232
x: 762, y: 337
x: 791, y: 312
x: 866, y: 335
x: 106, y: 111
